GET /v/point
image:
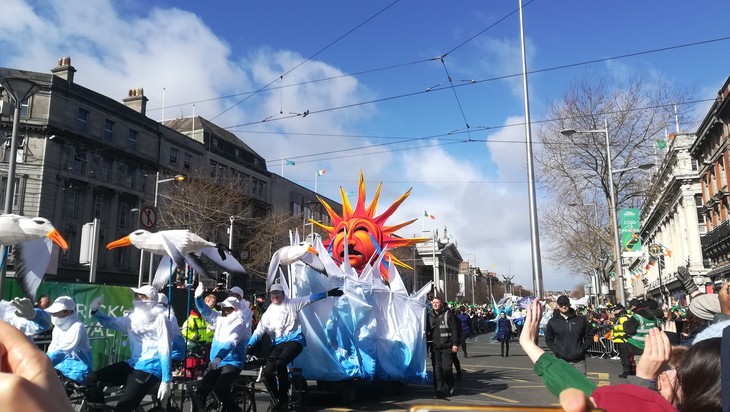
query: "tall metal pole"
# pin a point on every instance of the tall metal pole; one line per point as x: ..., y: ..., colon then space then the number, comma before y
x: 19, y: 90
x: 617, y: 270
x: 534, y: 232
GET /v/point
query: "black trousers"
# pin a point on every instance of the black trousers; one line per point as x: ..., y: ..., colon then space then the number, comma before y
x: 219, y: 381
x: 504, y: 345
x: 441, y: 360
x: 455, y: 361
x: 136, y: 385
x: 626, y: 357
x: 275, y: 369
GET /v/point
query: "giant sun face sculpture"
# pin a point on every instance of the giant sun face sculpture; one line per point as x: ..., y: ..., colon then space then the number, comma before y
x: 363, y: 234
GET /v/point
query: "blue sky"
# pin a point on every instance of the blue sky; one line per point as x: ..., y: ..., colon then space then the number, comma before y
x: 332, y: 57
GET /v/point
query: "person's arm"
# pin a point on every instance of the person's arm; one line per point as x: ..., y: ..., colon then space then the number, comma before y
x: 587, y: 337
x: 257, y: 333
x: 111, y: 322
x: 209, y: 314
x: 549, y: 336
x: 164, y: 343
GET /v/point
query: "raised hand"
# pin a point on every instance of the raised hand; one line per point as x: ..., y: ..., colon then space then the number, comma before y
x: 23, y: 308
x: 656, y: 354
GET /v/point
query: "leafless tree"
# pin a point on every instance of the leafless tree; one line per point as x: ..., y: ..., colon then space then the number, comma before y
x: 573, y: 170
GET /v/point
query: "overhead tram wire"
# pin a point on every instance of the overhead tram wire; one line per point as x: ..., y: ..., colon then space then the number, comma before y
x: 447, y: 141
x: 310, y: 57
x: 508, y: 76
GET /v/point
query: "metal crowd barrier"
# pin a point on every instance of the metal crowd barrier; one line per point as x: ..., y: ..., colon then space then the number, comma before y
x: 603, y: 347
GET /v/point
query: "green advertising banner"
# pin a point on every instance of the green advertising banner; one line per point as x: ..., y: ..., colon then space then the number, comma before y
x: 630, y: 225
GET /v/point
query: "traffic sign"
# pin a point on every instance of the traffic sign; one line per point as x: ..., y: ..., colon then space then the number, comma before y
x: 148, y: 217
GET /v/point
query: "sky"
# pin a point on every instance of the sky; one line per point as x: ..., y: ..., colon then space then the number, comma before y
x: 418, y: 94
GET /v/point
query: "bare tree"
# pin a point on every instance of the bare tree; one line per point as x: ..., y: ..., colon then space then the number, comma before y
x: 573, y: 170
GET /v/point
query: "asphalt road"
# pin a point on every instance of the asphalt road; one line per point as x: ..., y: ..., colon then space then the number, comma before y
x: 488, y: 379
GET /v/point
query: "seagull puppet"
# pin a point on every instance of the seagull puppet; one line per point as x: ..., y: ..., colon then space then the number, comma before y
x: 288, y: 255
x: 33, y: 239
x: 180, y: 246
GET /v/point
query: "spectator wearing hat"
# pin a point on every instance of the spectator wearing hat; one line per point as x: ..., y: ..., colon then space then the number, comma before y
x: 238, y: 294
x: 568, y: 335
x: 228, y: 350
x: 620, y: 341
x: 69, y: 351
x: 150, y: 362
x: 281, y: 323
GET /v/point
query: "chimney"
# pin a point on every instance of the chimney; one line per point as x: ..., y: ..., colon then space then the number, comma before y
x: 136, y: 100
x: 64, y: 69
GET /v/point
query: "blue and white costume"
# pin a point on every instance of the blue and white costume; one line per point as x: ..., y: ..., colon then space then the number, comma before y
x: 281, y: 321
x: 69, y: 351
x: 41, y: 322
x: 231, y: 333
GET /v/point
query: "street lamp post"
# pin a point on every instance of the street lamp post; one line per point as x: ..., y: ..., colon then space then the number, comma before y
x: 178, y: 178
x: 613, y: 206
x: 19, y: 90
x: 612, y: 209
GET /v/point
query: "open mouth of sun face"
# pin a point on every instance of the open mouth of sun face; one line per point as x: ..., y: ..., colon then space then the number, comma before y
x: 351, y: 252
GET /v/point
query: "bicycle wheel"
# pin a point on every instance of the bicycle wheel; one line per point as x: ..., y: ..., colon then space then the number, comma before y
x: 245, y: 400
x: 298, y: 391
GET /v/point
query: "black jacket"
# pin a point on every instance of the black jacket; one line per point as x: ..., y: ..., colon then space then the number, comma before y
x: 442, y: 329
x: 569, y: 339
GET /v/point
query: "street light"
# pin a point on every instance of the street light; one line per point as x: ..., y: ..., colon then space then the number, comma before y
x: 613, y: 207
x: 19, y: 90
x: 177, y: 178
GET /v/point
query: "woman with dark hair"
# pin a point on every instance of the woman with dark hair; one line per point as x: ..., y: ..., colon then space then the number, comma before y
x: 504, y: 332
x: 698, y: 386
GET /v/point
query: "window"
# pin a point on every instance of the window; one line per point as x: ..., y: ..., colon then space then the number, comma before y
x: 237, y: 153
x: 131, y: 179
x: 82, y: 119
x: 25, y: 109
x: 78, y: 163
x: 123, y: 213
x: 99, y: 207
x: 215, y: 143
x: 108, y: 130
x: 188, y: 161
x: 132, y: 140
x: 105, y: 174
x: 16, y: 193
x: 695, y: 165
x: 173, y: 155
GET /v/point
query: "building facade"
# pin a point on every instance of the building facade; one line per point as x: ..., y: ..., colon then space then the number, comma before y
x: 671, y: 225
x: 85, y: 156
x: 711, y: 149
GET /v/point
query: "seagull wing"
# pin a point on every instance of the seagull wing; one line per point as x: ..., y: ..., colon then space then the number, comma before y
x: 314, y: 262
x: 195, y: 263
x: 172, y: 243
x: 31, y: 262
x: 163, y: 273
x: 227, y: 262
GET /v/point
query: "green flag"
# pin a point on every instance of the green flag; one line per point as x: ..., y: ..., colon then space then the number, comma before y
x: 661, y: 144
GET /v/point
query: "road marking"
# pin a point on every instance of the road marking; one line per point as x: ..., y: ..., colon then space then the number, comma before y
x: 508, y: 367
x: 527, y: 386
x: 499, y: 398
x: 519, y: 380
x: 601, y: 377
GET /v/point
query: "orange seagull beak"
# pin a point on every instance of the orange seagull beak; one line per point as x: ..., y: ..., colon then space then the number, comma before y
x: 312, y: 250
x: 58, y: 239
x: 119, y: 243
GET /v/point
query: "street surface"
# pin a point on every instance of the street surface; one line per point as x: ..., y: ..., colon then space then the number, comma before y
x: 488, y: 379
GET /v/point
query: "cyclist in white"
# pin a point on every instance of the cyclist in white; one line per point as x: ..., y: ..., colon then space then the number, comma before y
x: 149, y: 343
x: 228, y: 351
x: 281, y: 323
x: 69, y: 351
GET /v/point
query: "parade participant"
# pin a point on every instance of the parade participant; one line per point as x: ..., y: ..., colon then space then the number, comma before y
x: 281, y: 323
x: 149, y: 344
x: 228, y: 351
x: 245, y: 305
x: 69, y: 351
x: 28, y: 381
x: 20, y: 313
x: 178, y: 340
x: 443, y: 330
x: 43, y: 302
x: 620, y: 341
x: 568, y: 335
x: 504, y: 334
